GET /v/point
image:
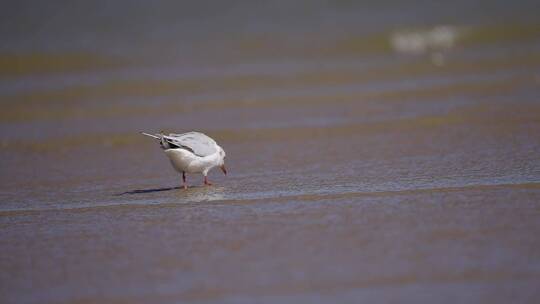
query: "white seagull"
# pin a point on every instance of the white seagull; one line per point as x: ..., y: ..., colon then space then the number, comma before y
x: 192, y: 152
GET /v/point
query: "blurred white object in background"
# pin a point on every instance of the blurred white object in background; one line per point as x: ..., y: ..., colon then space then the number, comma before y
x: 421, y: 41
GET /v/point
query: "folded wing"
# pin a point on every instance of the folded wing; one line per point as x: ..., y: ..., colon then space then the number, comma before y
x: 196, y: 142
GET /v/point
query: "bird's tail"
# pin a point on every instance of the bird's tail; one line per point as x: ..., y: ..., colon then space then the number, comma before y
x: 156, y: 136
x: 163, y: 140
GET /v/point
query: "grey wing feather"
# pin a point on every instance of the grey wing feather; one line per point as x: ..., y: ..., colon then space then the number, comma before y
x: 199, y: 143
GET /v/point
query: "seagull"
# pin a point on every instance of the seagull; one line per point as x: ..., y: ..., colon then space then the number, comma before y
x: 192, y: 152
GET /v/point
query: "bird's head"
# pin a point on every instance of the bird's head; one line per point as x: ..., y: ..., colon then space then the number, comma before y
x: 222, y: 156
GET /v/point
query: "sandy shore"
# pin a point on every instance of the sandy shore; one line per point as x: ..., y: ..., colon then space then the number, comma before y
x: 383, y: 153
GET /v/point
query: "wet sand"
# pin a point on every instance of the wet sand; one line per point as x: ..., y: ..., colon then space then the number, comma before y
x: 436, y: 212
x: 361, y: 169
x: 472, y: 244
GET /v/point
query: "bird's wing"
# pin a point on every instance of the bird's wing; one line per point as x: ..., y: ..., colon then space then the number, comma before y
x: 199, y: 143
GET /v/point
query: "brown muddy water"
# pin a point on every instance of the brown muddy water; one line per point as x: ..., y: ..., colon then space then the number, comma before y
x: 383, y: 153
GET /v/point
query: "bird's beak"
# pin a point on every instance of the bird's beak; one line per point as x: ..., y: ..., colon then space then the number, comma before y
x: 222, y: 167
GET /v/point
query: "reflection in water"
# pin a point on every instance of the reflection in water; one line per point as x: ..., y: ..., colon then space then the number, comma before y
x: 193, y: 194
x: 202, y: 194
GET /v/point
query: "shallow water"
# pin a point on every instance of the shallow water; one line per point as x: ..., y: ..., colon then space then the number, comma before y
x: 391, y: 155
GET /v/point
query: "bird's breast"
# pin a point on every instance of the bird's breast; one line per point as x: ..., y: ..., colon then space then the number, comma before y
x: 185, y: 161
x: 179, y: 158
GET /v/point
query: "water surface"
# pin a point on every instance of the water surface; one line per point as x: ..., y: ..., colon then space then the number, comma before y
x: 382, y: 153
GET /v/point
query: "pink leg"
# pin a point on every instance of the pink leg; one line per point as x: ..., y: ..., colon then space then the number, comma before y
x: 184, y: 185
x: 206, y: 182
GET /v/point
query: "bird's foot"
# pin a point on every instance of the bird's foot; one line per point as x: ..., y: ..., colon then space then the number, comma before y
x: 206, y: 182
x: 184, y: 185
